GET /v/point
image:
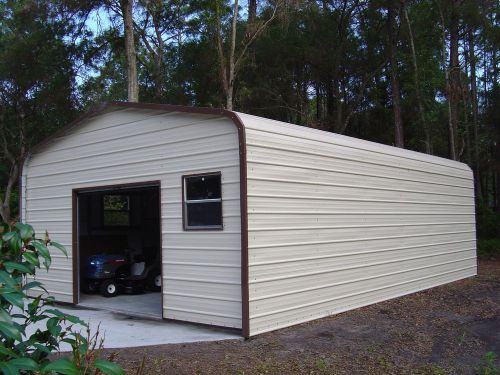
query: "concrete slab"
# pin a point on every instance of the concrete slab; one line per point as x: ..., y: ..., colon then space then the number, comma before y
x: 141, y: 305
x: 123, y: 331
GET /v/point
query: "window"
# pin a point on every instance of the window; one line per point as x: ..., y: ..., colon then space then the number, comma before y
x: 202, y: 201
x: 116, y: 208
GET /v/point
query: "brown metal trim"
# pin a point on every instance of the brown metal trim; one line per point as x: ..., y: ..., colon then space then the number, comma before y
x: 245, y: 298
x: 204, y: 325
x: 161, y: 244
x: 132, y: 185
x: 184, y: 214
x: 74, y: 245
x: 74, y: 230
x: 243, y: 176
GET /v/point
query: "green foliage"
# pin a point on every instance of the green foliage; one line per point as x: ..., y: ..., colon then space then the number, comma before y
x: 488, y: 228
x: 23, y: 352
x: 322, y: 365
x: 488, y: 367
x: 488, y: 249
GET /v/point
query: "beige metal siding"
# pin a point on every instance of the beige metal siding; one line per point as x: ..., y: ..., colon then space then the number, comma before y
x: 201, y: 269
x: 337, y: 223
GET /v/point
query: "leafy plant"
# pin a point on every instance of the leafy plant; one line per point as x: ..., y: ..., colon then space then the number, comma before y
x: 322, y: 365
x: 488, y: 249
x: 488, y: 367
x: 22, y: 352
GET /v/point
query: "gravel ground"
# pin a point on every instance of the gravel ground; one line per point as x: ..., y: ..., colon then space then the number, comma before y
x: 444, y: 330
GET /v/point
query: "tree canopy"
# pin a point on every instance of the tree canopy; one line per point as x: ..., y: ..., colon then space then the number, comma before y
x: 419, y: 74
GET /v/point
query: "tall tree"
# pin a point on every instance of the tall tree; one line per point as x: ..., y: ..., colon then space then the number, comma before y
x: 231, y: 60
x: 395, y: 87
x: 37, y: 81
x: 416, y: 81
x: 161, y: 25
x: 454, y: 86
x: 126, y: 7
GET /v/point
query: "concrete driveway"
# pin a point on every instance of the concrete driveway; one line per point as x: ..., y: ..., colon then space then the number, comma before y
x: 121, y: 330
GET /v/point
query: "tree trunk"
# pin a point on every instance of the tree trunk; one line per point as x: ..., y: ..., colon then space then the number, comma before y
x: 466, y: 107
x: 473, y: 95
x: 252, y: 11
x: 318, y: 103
x: 454, y: 80
x: 128, y: 26
x: 158, y: 57
x: 396, y: 95
x: 421, y: 113
x: 15, y: 167
x: 230, y: 85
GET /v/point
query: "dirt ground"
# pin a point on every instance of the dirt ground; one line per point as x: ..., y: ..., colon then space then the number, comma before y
x: 444, y: 330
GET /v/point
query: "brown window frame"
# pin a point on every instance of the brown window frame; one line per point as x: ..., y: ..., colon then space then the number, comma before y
x: 187, y: 228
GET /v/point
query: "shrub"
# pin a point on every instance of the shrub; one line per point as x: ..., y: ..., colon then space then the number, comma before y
x: 488, y: 249
x: 21, y: 254
x: 488, y: 222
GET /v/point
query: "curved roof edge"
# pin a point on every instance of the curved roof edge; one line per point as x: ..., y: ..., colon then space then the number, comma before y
x: 278, y: 127
x: 108, y: 106
x: 292, y: 130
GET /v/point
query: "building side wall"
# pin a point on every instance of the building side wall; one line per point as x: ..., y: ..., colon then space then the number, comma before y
x: 336, y: 223
x: 201, y: 269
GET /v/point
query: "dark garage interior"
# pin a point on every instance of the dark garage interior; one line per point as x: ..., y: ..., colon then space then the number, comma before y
x: 119, y: 249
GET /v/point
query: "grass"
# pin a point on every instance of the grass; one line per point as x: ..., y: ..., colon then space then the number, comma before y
x: 488, y: 366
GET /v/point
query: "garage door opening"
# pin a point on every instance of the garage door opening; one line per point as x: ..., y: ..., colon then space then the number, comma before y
x: 119, y: 250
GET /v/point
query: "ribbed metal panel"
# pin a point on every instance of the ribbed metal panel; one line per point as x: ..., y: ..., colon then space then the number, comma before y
x: 336, y: 223
x: 201, y: 269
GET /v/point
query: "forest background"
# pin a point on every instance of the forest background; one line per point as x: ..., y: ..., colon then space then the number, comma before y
x: 417, y: 74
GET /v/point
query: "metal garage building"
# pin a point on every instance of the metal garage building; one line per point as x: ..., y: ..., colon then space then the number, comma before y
x: 261, y: 224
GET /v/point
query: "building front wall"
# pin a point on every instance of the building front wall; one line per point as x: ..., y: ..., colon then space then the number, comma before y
x: 201, y: 269
x: 336, y: 223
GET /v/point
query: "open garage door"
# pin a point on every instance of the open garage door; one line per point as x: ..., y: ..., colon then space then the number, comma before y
x: 119, y: 249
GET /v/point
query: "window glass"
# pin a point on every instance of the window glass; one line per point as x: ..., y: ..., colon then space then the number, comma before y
x: 203, y: 202
x: 204, y: 214
x: 116, y: 208
x: 203, y: 187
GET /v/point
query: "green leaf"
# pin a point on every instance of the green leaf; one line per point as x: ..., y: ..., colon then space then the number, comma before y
x: 8, y: 236
x: 75, y: 320
x: 25, y: 231
x: 15, y: 299
x: 24, y: 364
x: 53, y: 326
x: 10, y: 331
x: 42, y: 348
x: 55, y: 312
x: 61, y: 366
x: 42, y: 249
x: 33, y: 284
x: 8, y: 368
x: 32, y: 258
x: 8, y: 352
x: 16, y: 244
x: 33, y: 305
x: 7, y: 279
x: 59, y: 246
x: 11, y: 266
x: 109, y: 368
x: 5, y: 316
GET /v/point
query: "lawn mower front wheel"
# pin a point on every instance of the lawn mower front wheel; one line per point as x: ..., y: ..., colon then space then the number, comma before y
x: 109, y: 288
